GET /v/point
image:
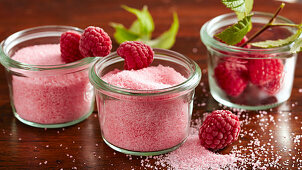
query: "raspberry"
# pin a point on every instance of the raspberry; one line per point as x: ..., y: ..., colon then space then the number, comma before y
x: 69, y: 46
x: 220, y: 128
x: 232, y: 75
x: 137, y: 55
x: 95, y: 42
x: 273, y: 86
x: 264, y: 72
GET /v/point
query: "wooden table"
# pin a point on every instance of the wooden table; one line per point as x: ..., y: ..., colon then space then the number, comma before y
x: 81, y: 146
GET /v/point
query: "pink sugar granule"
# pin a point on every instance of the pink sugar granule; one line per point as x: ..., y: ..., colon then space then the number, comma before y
x: 191, y: 155
x: 50, y: 97
x: 145, y: 123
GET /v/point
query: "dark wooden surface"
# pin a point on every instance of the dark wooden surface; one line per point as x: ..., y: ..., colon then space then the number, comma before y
x: 81, y: 146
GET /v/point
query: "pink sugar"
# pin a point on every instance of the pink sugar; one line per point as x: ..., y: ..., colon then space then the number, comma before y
x: 46, y: 54
x: 191, y: 155
x: 50, y: 99
x: 147, y: 123
x: 149, y: 78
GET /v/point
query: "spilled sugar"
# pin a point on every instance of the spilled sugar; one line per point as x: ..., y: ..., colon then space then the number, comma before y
x: 193, y: 156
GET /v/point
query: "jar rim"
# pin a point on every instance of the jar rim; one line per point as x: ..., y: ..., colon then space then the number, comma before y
x: 47, y: 30
x: 191, y: 82
x: 208, y: 40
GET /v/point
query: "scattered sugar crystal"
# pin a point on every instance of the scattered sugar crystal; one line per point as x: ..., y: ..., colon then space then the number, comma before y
x: 195, y: 50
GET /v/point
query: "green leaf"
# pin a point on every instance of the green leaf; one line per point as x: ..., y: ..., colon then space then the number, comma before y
x: 142, y: 28
x: 235, y: 5
x: 248, y: 9
x: 135, y: 27
x: 279, y: 42
x: 297, y: 47
x: 144, y: 18
x: 167, y: 39
x: 235, y: 33
x: 122, y: 34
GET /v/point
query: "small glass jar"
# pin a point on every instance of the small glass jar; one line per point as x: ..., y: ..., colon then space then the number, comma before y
x: 247, y: 78
x: 47, y: 96
x: 145, y: 122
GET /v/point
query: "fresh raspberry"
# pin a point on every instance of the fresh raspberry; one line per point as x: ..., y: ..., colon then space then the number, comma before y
x: 231, y: 75
x: 69, y: 46
x: 264, y: 71
x: 137, y: 55
x: 220, y: 128
x: 95, y: 42
x: 273, y: 86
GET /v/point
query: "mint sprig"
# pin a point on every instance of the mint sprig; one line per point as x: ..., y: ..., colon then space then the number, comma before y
x: 145, y: 24
x: 122, y: 34
x: 248, y: 6
x: 235, y: 33
x: 279, y: 42
x: 297, y: 47
x: 142, y: 28
x: 235, y: 5
x: 167, y: 39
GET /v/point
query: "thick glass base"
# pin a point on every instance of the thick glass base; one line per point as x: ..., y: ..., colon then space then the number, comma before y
x: 246, y: 107
x: 60, y: 125
x: 141, y: 153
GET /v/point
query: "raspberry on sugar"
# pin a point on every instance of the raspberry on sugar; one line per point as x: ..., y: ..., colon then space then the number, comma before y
x: 137, y: 55
x: 95, y: 42
x: 69, y: 46
x: 220, y: 128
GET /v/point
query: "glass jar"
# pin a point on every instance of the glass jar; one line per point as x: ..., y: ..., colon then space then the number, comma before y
x: 145, y: 122
x: 47, y: 96
x: 249, y: 78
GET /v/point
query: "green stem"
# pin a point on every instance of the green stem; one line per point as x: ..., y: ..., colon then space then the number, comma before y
x: 265, y: 27
x: 285, y: 24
